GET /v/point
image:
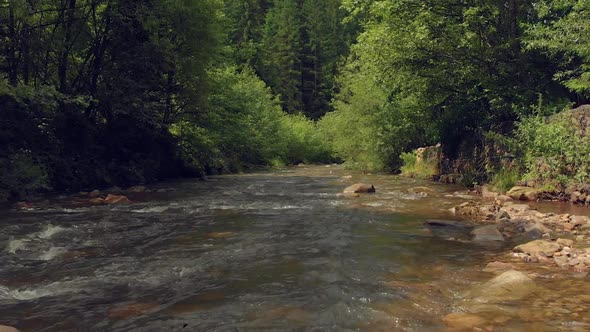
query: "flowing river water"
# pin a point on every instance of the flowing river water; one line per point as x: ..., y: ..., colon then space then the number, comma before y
x: 277, y: 250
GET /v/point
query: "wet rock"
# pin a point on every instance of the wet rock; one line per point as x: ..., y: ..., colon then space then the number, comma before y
x: 96, y: 201
x: 462, y: 321
x: 346, y: 178
x: 538, y: 248
x: 574, y: 197
x: 457, y: 230
x: 509, y: 286
x: 116, y: 199
x: 95, y: 193
x: 136, y: 189
x: 498, y: 267
x: 523, y: 193
x: 561, y: 261
x: 221, y: 235
x: 487, y: 233
x: 486, y: 193
x: 421, y: 190
x: 535, y: 230
x: 502, y: 215
x: 518, y: 208
x: 360, y: 188
x: 579, y: 220
x: 565, y: 242
x: 4, y: 328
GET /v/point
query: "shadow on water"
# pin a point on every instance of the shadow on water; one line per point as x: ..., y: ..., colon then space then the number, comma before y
x: 280, y: 250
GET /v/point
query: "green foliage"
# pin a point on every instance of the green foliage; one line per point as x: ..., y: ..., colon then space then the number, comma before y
x: 22, y: 175
x: 505, y: 179
x: 304, y: 142
x: 423, y: 169
x: 554, y: 151
x: 563, y: 30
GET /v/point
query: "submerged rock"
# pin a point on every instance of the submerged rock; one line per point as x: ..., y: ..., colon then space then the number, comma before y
x: 360, y: 188
x: 421, y: 190
x: 450, y: 229
x: 487, y: 233
x: 535, y: 230
x: 509, y: 286
x: 498, y: 267
x: 538, y: 248
x: 462, y: 321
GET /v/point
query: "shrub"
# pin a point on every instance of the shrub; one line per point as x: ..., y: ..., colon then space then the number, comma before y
x: 555, y: 150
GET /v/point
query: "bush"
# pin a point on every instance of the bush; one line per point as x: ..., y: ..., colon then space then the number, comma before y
x: 556, y: 151
x: 22, y: 175
x: 425, y: 169
x: 245, y: 127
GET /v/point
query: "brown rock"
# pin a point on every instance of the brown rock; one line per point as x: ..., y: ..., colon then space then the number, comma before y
x: 579, y: 220
x: 94, y: 193
x: 461, y: 320
x: 421, y: 190
x: 565, y: 242
x: 116, y: 199
x: 561, y: 261
x: 509, y: 286
x: 517, y: 208
x: 538, y: 248
x: 504, y: 198
x: 536, y: 230
x: 487, y: 233
x: 574, y: 196
x: 486, y: 193
x: 4, y: 328
x: 360, y: 188
x: 97, y: 201
x: 523, y: 193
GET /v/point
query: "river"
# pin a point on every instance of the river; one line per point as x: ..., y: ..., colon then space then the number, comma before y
x: 277, y: 250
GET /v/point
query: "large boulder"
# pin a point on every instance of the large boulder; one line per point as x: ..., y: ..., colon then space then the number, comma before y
x: 523, y: 193
x: 487, y: 233
x: 538, y: 248
x: 360, y: 188
x: 509, y: 286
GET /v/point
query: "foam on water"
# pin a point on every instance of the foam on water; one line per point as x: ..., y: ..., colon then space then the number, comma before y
x: 153, y: 209
x: 49, y: 231
x: 27, y: 294
x: 15, y: 245
x: 52, y: 253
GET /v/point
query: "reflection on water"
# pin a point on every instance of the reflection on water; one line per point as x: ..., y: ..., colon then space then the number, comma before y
x: 281, y: 250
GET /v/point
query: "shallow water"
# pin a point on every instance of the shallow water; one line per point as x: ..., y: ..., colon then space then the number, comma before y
x: 279, y: 251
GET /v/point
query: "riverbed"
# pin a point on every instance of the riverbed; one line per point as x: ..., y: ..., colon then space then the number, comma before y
x: 280, y: 250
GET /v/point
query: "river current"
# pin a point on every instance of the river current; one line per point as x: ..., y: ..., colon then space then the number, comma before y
x: 277, y: 250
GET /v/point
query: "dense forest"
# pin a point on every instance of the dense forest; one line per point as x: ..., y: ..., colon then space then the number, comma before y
x: 118, y: 92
